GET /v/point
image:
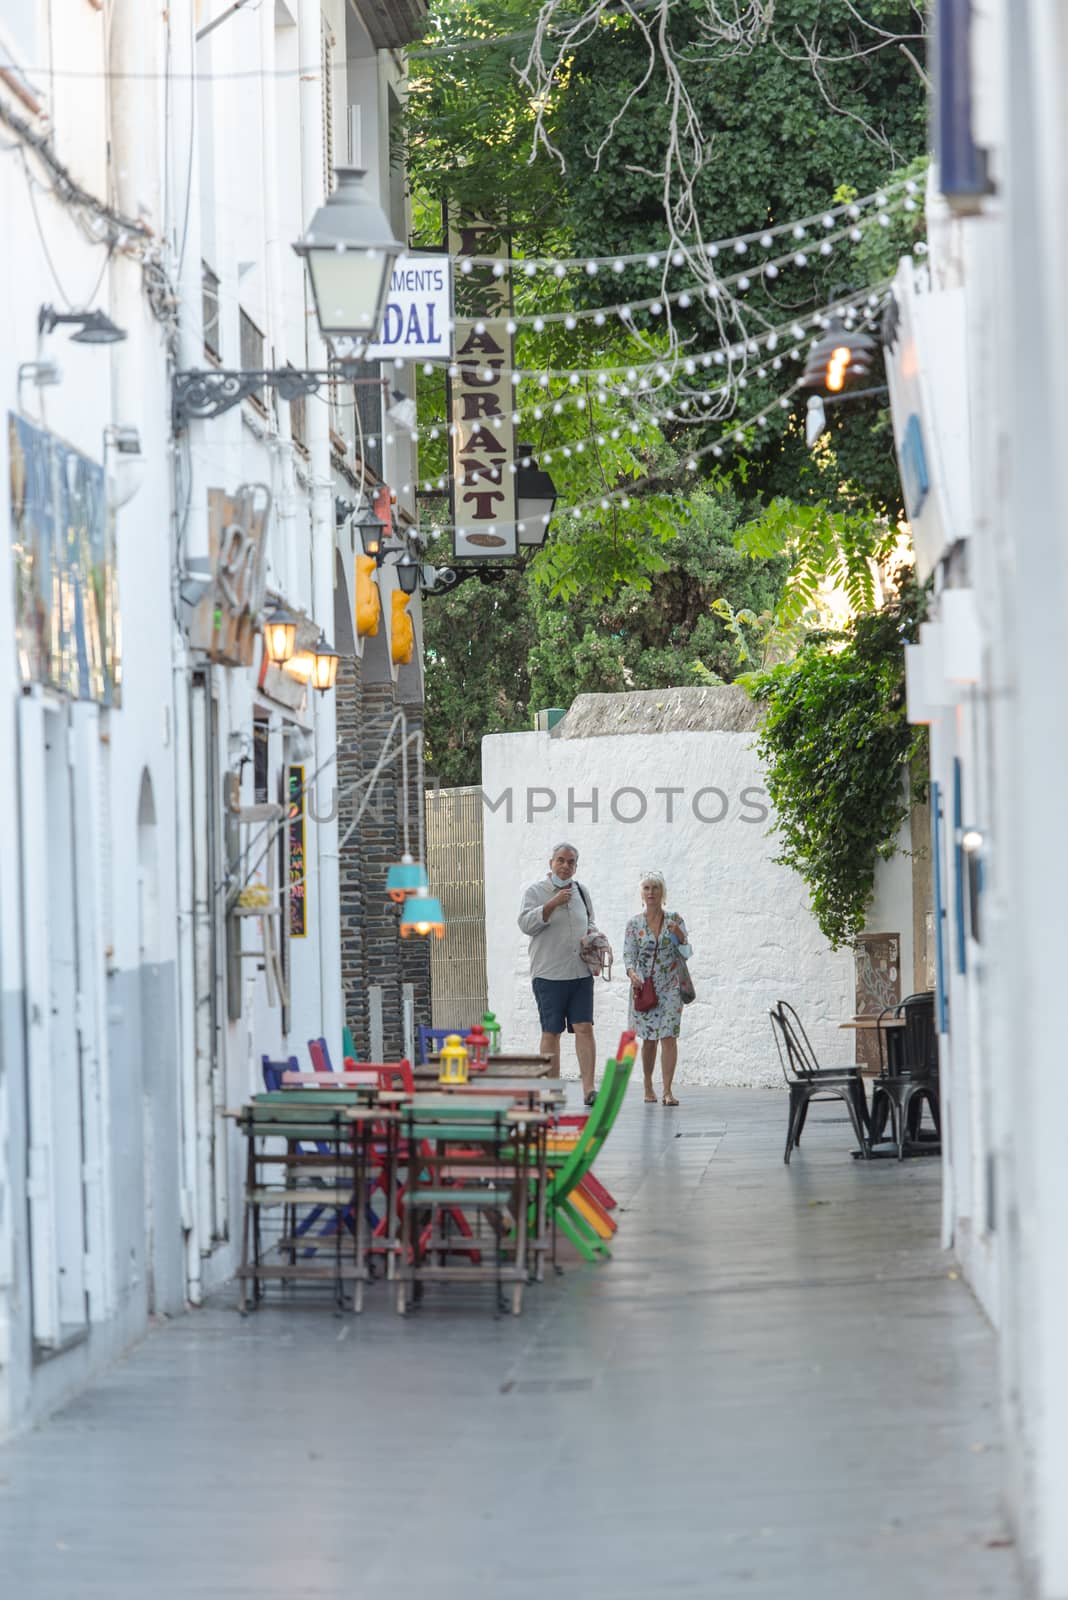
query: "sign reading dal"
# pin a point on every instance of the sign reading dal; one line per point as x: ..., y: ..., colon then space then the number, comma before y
x: 415, y: 326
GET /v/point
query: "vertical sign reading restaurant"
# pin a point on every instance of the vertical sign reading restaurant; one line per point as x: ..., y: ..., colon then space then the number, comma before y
x: 298, y: 901
x: 481, y: 401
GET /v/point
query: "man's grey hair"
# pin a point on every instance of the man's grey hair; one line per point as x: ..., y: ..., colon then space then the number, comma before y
x: 556, y: 849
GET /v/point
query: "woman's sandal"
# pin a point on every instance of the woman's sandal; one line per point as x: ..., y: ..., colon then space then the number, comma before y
x: 669, y: 1100
x: 650, y: 1097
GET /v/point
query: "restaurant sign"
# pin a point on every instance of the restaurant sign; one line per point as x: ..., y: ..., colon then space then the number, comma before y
x: 481, y: 403
x: 66, y: 576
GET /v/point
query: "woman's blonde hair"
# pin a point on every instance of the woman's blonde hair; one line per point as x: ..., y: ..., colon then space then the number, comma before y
x: 654, y: 877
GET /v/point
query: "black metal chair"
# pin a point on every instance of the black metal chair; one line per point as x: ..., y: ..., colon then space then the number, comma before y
x: 808, y: 1081
x: 908, y: 1076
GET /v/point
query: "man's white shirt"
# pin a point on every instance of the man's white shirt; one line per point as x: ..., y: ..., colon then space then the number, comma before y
x: 554, y: 945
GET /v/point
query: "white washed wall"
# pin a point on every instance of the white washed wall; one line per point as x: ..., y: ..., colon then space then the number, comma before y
x: 754, y: 939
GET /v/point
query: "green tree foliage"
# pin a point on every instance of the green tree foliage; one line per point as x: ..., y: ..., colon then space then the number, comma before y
x: 838, y: 751
x: 494, y: 654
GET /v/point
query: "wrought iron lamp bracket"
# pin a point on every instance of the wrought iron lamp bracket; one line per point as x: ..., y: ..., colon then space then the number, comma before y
x: 203, y: 394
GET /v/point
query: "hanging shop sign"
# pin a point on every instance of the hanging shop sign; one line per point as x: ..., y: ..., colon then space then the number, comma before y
x: 66, y: 576
x: 482, y: 435
x: 296, y: 854
x: 417, y: 318
x: 225, y: 622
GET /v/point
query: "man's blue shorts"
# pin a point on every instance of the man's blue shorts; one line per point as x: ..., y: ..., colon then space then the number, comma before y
x: 563, y: 1002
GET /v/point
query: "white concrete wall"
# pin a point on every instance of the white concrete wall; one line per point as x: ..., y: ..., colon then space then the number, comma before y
x: 754, y: 939
x: 128, y: 1077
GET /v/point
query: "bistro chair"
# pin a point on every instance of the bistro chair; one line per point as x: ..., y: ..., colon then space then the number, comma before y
x: 570, y: 1206
x: 908, y: 1076
x: 273, y: 1070
x: 275, y: 1074
x: 808, y: 1081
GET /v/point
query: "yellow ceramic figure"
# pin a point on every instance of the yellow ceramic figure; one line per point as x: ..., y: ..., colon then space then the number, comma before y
x: 402, y: 633
x: 368, y: 602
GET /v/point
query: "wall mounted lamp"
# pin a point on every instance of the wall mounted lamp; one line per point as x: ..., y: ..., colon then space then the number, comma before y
x: 94, y: 327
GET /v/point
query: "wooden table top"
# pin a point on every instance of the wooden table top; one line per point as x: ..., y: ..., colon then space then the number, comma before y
x: 874, y: 1022
x: 528, y: 1064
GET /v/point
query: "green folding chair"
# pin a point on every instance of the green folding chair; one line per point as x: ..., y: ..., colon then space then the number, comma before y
x: 578, y: 1161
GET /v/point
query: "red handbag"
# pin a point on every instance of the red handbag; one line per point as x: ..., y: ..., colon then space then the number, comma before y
x: 647, y: 998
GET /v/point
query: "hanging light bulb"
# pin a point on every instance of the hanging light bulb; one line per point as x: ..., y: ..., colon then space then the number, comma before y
x: 422, y: 915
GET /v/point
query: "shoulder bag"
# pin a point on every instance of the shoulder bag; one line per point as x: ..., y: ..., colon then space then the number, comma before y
x: 687, y: 992
x: 647, y: 998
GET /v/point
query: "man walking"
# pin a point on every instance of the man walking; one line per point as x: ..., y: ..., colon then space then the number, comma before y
x: 557, y: 915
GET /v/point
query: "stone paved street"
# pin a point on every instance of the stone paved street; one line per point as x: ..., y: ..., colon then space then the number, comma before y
x: 775, y: 1390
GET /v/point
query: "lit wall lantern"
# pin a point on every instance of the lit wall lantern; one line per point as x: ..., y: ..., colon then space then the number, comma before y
x: 324, y: 660
x: 405, y: 878
x: 838, y: 358
x: 402, y: 631
x: 279, y: 634
x: 349, y: 251
x: 535, y: 498
x: 422, y: 915
x: 371, y: 530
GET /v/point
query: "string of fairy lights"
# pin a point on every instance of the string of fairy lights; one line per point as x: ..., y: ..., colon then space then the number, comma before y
x: 645, y: 381
x: 903, y: 190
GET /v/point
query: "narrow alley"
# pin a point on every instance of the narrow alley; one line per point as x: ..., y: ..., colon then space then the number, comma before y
x: 779, y: 1387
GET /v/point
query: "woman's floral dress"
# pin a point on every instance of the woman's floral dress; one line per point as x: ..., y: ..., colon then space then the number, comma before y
x: 665, y: 1019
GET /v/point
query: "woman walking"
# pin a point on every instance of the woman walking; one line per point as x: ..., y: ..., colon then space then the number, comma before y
x: 654, y: 942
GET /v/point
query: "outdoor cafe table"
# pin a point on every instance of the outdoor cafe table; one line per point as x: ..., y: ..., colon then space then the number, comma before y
x: 509, y: 1064
x: 892, y: 1026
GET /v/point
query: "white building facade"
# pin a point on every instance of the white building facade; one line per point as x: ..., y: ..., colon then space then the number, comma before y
x: 157, y: 168
x: 978, y: 368
x: 669, y: 781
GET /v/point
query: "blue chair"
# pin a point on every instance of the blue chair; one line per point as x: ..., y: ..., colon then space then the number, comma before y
x: 272, y: 1082
x: 432, y: 1039
x: 273, y: 1070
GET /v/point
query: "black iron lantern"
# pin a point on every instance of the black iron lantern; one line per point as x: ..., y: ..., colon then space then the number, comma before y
x: 840, y: 357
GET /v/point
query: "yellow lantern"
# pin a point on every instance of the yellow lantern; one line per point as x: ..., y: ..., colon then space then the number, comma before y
x: 402, y: 633
x: 453, y: 1060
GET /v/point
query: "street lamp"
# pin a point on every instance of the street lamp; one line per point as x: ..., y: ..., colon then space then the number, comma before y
x: 349, y: 251
x: 839, y: 357
x: 535, y: 497
x: 279, y: 634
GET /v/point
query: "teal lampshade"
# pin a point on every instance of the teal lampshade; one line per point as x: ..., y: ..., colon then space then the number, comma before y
x: 422, y: 914
x: 405, y: 877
